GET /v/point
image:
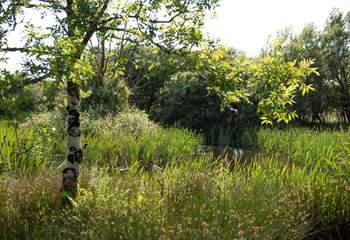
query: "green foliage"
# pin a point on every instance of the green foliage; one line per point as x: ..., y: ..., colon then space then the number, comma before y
x: 325, y: 151
x: 268, y: 82
x: 19, y: 98
x: 112, y: 98
x: 276, y: 84
x: 26, y: 150
x: 139, y: 141
x: 121, y: 141
x: 186, y: 204
x: 186, y: 101
x: 143, y: 181
x: 146, y: 71
x: 240, y: 89
x: 16, y: 100
x: 336, y: 56
x: 133, y: 121
x: 60, y: 51
x: 323, y: 157
x: 307, y: 45
x: 329, y: 49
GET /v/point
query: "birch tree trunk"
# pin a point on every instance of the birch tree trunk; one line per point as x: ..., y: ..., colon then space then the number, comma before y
x: 74, y: 154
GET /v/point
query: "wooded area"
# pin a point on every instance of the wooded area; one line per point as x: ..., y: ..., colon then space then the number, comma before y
x: 172, y: 134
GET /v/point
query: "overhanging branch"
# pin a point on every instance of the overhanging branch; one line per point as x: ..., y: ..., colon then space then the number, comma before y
x: 14, y: 49
x: 29, y: 81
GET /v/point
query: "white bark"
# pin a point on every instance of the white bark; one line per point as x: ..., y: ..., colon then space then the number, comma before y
x: 73, y: 152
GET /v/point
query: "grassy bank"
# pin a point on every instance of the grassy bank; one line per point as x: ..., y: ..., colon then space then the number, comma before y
x: 298, y: 188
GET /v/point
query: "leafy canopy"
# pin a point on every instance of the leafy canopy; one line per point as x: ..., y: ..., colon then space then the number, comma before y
x: 269, y: 82
x: 55, y: 46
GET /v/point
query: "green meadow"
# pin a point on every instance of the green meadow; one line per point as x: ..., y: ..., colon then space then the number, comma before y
x: 148, y: 182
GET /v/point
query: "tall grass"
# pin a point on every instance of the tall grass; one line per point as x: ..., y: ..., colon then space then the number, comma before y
x: 157, y: 148
x: 34, y: 148
x: 187, y: 201
x: 321, y: 159
x: 24, y: 150
x: 321, y: 152
x: 298, y: 188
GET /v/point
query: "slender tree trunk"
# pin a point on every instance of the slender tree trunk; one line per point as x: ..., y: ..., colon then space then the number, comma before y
x: 73, y: 152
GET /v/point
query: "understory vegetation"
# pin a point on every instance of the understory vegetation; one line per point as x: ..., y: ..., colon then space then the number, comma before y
x: 141, y: 181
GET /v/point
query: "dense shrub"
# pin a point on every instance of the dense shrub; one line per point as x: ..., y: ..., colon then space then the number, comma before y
x: 110, y: 98
x: 15, y: 104
x: 186, y: 100
x: 131, y: 121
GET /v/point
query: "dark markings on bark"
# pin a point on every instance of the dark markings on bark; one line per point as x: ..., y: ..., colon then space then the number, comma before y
x: 73, y: 132
x: 69, y: 186
x: 73, y: 122
x: 70, y: 158
x: 73, y: 90
x: 74, y: 173
x: 73, y: 118
x: 73, y: 149
x: 72, y: 112
x: 78, y: 155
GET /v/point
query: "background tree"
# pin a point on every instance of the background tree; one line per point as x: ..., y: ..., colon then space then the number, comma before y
x: 267, y: 82
x: 336, y: 59
x: 307, y: 45
x: 329, y: 50
x: 105, y: 91
x: 185, y: 100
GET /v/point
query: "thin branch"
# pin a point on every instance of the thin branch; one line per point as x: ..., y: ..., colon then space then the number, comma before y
x: 114, y: 29
x: 34, y: 80
x: 93, y: 27
x: 14, y: 49
x: 165, y: 21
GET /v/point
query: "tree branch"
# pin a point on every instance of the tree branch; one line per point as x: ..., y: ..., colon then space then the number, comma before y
x: 29, y: 81
x: 93, y: 27
x: 14, y: 49
x: 155, y: 21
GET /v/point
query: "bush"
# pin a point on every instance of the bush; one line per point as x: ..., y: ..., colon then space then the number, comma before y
x: 109, y: 99
x: 53, y: 122
x: 186, y: 101
x: 15, y: 104
x: 132, y: 121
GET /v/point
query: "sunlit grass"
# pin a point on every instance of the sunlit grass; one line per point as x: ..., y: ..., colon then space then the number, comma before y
x: 297, y: 187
